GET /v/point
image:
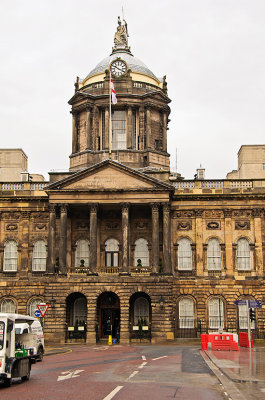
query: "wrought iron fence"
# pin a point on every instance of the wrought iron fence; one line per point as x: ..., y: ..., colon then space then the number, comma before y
x: 193, y: 328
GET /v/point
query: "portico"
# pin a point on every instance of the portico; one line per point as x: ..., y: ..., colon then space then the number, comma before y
x: 127, y: 215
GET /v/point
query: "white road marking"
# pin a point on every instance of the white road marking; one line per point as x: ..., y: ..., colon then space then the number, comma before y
x: 100, y: 348
x: 112, y: 394
x: 158, y: 358
x: 133, y: 374
x: 143, y: 357
x: 69, y: 374
x: 143, y: 364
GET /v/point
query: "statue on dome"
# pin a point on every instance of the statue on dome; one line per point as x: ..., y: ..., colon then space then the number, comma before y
x: 121, y: 35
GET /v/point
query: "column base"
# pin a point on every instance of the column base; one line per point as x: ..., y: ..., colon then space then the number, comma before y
x: 124, y: 274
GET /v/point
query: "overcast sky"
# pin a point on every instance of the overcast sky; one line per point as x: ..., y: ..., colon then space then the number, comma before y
x: 212, y: 52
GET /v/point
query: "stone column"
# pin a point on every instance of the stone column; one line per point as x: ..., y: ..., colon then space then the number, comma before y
x: 148, y: 127
x: 23, y: 250
x: 129, y: 128
x: 63, y: 238
x: 228, y: 242
x: 88, y: 129
x: 164, y: 131
x: 155, y: 238
x: 93, y: 238
x: 107, y: 121
x: 141, y: 128
x: 95, y: 128
x: 199, y: 244
x: 125, y: 239
x: 167, y: 269
x: 257, y: 255
x: 124, y: 322
x: 51, y: 239
x: 74, y: 134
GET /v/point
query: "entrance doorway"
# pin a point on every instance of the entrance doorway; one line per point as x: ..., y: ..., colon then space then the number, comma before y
x: 108, y: 315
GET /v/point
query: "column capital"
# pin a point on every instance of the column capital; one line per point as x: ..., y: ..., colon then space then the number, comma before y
x: 155, y: 207
x: 257, y: 212
x: 198, y: 213
x: 93, y: 207
x: 125, y: 206
x: 52, y: 207
x: 166, y: 207
x: 64, y: 207
x: 227, y: 213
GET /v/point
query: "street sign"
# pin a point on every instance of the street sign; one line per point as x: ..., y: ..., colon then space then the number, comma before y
x: 37, y: 313
x: 43, y: 308
x: 240, y: 302
x: 255, y: 303
x: 250, y: 303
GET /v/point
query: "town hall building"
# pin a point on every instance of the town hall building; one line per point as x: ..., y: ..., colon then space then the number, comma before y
x: 119, y: 245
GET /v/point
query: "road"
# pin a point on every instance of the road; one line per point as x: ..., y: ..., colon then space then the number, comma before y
x: 119, y: 373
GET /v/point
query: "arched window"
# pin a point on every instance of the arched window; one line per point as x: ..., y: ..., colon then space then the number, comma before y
x: 112, y: 253
x: 80, y: 311
x: 216, y: 313
x: 141, y: 310
x: 213, y: 254
x: 39, y: 256
x: 82, y: 253
x: 184, y: 255
x: 10, y: 256
x: 33, y: 306
x: 243, y: 255
x: 8, y: 306
x: 186, y: 313
x: 141, y: 252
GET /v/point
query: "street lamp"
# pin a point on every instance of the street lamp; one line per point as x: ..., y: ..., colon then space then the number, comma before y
x: 52, y: 302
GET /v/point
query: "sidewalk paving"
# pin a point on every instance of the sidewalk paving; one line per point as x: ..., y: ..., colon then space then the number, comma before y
x: 242, y: 365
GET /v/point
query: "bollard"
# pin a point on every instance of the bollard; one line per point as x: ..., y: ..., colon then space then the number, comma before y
x: 110, y: 340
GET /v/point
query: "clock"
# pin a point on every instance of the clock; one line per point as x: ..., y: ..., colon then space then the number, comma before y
x: 118, y: 68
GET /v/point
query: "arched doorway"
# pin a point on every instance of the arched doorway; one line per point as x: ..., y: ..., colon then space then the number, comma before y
x: 76, y: 316
x: 108, y: 311
x: 140, y: 316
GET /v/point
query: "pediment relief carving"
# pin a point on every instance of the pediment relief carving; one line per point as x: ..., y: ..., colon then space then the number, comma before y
x: 109, y: 179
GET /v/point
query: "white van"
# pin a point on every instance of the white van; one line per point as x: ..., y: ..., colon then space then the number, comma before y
x: 36, y: 328
x: 17, y: 351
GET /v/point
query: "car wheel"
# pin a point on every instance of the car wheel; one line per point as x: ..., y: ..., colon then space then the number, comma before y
x: 7, y: 382
x: 40, y: 354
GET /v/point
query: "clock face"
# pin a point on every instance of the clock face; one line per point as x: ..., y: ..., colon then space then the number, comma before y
x: 118, y: 68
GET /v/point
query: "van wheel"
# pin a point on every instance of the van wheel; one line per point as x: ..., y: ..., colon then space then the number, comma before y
x: 26, y: 377
x: 7, y: 382
x: 40, y: 354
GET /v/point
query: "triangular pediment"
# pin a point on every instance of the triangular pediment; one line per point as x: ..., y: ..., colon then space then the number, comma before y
x: 109, y: 176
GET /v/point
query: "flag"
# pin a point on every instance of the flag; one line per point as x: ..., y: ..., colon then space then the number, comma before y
x: 113, y: 93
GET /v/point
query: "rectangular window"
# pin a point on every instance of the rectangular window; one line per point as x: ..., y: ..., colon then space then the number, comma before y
x: 119, y: 130
x: 263, y: 166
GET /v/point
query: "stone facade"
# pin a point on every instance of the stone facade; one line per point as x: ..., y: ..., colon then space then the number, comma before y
x: 118, y: 245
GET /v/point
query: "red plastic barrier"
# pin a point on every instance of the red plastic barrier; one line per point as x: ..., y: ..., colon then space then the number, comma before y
x: 204, y: 341
x: 243, y: 339
x: 224, y: 342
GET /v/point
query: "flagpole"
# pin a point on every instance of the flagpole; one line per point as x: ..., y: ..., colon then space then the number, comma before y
x: 110, y: 117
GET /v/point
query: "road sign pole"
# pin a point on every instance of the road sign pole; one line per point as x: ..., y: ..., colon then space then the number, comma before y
x: 249, y: 326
